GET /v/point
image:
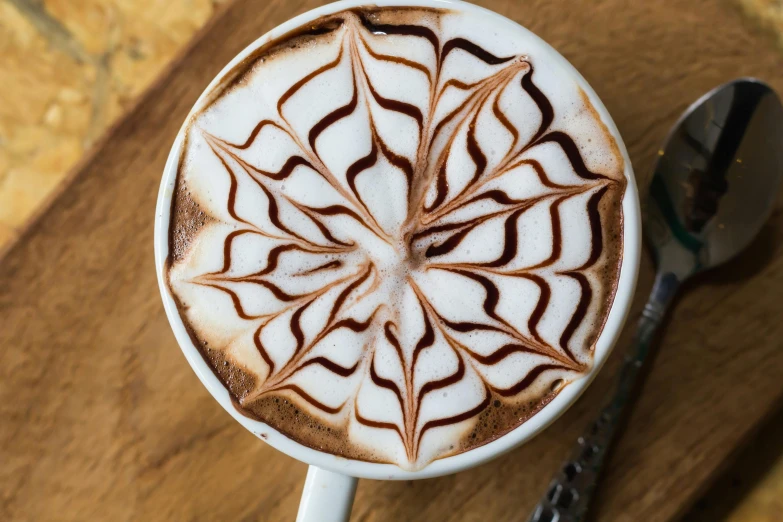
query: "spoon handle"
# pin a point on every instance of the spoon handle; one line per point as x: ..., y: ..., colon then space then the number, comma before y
x: 568, y: 497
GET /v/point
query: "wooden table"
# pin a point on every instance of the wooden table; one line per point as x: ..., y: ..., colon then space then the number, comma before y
x: 103, y: 420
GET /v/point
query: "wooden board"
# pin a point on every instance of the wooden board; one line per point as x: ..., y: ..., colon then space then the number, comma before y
x: 103, y: 420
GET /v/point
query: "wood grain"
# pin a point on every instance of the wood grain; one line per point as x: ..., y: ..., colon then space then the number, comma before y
x: 103, y: 420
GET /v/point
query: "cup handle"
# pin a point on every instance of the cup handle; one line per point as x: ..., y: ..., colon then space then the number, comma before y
x: 327, y: 496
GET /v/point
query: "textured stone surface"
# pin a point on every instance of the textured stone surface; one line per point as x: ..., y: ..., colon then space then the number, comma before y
x: 766, y: 13
x: 764, y: 503
x: 70, y: 68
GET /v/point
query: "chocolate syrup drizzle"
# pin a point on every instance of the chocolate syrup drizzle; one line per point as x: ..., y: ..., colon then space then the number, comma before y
x: 427, y: 229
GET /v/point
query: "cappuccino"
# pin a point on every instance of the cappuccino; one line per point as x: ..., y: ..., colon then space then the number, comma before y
x: 396, y: 233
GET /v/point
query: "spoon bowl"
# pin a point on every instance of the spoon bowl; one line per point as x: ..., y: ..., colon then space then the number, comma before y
x: 717, y: 178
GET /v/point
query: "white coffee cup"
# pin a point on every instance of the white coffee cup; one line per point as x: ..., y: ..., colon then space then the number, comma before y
x: 331, y: 480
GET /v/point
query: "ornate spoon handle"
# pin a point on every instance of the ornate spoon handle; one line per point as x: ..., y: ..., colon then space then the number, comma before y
x: 568, y: 497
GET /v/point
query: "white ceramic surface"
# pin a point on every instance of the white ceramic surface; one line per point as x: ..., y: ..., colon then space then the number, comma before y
x: 474, y: 457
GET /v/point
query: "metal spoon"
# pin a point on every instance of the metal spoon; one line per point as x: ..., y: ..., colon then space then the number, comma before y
x: 715, y: 184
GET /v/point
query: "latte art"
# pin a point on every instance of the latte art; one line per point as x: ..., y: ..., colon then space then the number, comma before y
x: 396, y: 233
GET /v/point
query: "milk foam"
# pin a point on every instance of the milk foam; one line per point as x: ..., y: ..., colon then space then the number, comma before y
x: 411, y: 234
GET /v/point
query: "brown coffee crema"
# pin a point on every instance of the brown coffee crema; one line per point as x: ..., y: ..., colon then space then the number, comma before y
x: 418, y: 320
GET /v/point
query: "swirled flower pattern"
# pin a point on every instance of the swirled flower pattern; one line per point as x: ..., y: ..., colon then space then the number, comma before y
x: 392, y: 240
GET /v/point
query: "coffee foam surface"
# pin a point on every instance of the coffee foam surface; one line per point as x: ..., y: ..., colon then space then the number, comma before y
x: 397, y: 232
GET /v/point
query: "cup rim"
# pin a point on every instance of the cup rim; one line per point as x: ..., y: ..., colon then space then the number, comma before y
x: 524, y: 432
